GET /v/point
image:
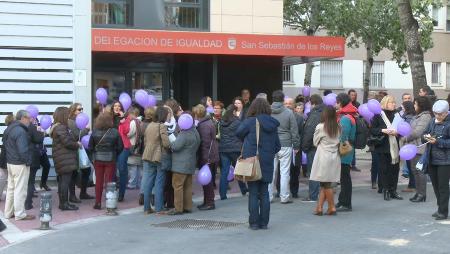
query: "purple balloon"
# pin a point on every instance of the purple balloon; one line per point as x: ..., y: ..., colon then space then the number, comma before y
x: 365, y: 112
x: 82, y: 121
x: 151, y: 101
x: 185, y: 121
x: 230, y: 176
x: 125, y: 99
x: 368, y: 118
x: 374, y: 106
x: 204, y: 175
x: 32, y: 110
x: 141, y: 97
x: 102, y: 95
x: 330, y: 100
x: 85, y: 141
x: 407, y: 152
x: 404, y: 129
x: 306, y: 91
x: 210, y: 110
x: 45, y: 122
x: 304, y: 158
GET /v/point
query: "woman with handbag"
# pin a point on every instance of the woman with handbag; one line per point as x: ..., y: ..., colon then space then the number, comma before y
x: 386, y: 146
x: 264, y: 147
x: 65, y: 156
x: 438, y: 161
x: 74, y: 110
x: 184, y: 162
x: 208, y: 153
x: 347, y: 114
x: 419, y: 124
x: 105, y: 144
x: 156, y: 143
x: 326, y: 167
x: 122, y: 160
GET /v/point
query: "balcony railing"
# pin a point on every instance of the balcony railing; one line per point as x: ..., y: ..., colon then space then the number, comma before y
x: 186, y: 14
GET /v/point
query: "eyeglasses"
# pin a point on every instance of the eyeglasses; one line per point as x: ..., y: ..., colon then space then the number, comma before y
x: 79, y: 109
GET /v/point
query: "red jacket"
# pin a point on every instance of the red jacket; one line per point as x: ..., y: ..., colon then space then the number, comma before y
x: 124, y: 128
x: 348, y: 110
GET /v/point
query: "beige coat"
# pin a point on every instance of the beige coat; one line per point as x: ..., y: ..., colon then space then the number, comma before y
x: 326, y: 166
x: 156, y: 141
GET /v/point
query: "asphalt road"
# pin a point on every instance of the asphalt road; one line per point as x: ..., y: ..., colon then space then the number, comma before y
x: 374, y: 226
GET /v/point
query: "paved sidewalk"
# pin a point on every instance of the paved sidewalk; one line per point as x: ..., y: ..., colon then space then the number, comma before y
x: 22, y: 230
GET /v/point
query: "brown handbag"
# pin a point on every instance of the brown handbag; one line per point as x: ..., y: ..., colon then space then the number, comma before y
x: 345, y: 148
x: 249, y: 169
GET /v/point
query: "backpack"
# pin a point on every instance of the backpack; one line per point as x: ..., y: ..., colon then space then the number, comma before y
x: 362, y: 133
x: 138, y: 148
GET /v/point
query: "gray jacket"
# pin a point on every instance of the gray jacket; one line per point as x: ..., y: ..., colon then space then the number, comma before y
x: 288, y: 129
x: 184, y: 158
x: 419, y: 125
x: 17, y: 143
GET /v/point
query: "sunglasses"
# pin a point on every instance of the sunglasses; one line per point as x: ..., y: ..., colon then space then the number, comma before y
x: 79, y: 109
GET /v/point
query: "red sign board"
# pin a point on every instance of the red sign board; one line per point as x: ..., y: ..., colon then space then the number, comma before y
x: 150, y: 41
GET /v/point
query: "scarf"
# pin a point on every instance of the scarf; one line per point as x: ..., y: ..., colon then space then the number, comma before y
x: 393, y: 145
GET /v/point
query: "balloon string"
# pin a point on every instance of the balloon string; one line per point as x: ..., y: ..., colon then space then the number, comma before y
x: 423, y: 144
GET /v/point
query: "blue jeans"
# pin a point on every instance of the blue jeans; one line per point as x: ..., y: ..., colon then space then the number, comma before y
x: 258, y: 203
x: 153, y: 175
x: 122, y: 165
x: 226, y: 160
x: 314, y: 186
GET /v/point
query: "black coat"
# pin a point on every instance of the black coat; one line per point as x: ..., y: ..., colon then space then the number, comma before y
x: 16, y: 142
x: 64, y: 150
x: 105, y: 143
x: 37, y: 139
x: 377, y: 125
x: 310, y: 127
x: 269, y: 142
x: 229, y: 142
x: 439, y: 153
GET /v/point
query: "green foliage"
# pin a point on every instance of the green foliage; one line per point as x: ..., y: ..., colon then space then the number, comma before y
x: 369, y: 22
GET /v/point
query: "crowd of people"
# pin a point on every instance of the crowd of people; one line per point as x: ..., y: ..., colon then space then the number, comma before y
x: 146, y: 149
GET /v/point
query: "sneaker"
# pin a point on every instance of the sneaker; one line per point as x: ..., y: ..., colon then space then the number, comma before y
x: 29, y: 217
x: 174, y: 212
x: 308, y: 200
x: 343, y: 209
x: 287, y: 202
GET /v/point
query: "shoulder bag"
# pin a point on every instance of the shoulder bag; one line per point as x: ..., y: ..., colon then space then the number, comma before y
x: 249, y: 169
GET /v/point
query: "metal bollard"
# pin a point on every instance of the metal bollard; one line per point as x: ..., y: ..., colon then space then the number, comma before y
x: 111, y: 199
x: 45, y: 210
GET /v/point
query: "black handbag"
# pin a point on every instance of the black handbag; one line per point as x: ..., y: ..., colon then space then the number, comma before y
x: 375, y: 140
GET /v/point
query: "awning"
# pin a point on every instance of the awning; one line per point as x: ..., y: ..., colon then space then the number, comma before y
x: 293, y: 49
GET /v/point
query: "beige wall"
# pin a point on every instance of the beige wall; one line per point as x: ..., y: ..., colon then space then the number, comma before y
x: 247, y: 16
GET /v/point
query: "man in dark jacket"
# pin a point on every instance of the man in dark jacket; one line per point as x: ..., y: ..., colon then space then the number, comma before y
x: 16, y: 142
x: 290, y: 144
x: 37, y: 138
x: 307, y: 142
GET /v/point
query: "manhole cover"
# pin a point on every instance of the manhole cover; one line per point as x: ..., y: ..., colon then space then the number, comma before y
x: 198, y: 224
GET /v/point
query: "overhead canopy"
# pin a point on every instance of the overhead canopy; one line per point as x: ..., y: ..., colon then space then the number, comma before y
x: 293, y: 49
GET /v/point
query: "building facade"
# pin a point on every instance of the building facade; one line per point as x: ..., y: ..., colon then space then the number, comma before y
x: 347, y: 73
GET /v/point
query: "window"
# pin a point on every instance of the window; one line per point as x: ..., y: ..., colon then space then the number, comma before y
x: 288, y: 74
x: 435, y: 15
x: 448, y: 75
x: 448, y: 17
x: 186, y: 14
x: 331, y: 74
x: 376, y: 74
x: 111, y: 12
x: 435, y: 73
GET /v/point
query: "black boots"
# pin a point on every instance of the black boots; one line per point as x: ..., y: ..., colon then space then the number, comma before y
x: 394, y: 195
x: 64, y: 205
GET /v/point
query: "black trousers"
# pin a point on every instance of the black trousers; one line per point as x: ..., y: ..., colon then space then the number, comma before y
x: 30, y: 188
x: 389, y: 172
x: 440, y: 175
x: 294, y: 179
x: 45, y: 164
x: 65, y: 182
x: 82, y: 179
x: 345, y: 197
